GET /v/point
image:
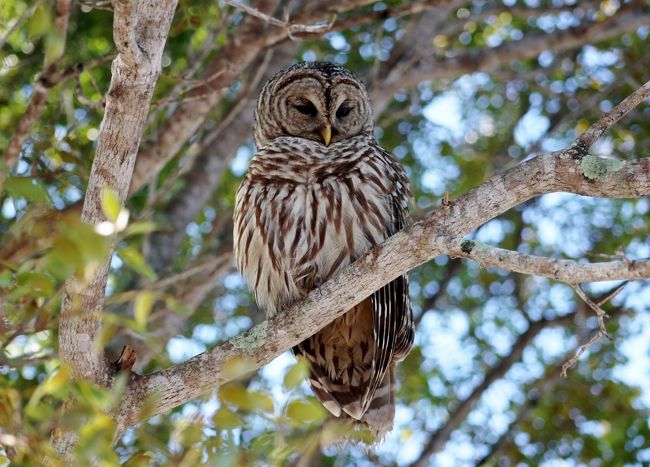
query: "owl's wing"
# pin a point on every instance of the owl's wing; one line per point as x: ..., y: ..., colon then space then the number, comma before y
x: 392, y: 316
x: 392, y: 320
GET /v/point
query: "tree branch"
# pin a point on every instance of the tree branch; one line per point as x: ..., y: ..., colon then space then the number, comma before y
x: 439, y: 438
x: 628, y: 19
x: 241, y: 49
x: 559, y: 171
x: 564, y: 270
x: 128, y: 99
x: 44, y: 82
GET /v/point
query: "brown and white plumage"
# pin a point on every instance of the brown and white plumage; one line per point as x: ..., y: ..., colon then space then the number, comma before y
x: 306, y: 210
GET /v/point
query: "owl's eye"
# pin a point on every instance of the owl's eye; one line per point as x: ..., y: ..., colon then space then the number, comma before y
x: 306, y: 108
x: 343, y: 111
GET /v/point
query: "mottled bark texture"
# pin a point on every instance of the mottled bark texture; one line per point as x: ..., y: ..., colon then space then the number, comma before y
x: 562, y: 171
x: 140, y: 31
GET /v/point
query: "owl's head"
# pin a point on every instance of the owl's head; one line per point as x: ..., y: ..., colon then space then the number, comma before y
x: 319, y: 101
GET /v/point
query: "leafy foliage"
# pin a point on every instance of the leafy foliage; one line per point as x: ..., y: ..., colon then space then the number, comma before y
x: 450, y: 133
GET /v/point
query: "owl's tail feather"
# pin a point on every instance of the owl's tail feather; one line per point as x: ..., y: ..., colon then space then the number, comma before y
x: 381, y: 410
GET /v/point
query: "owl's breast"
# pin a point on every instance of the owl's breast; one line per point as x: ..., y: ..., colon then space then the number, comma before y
x: 297, y: 224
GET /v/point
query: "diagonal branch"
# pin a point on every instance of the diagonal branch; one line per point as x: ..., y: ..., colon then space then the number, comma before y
x: 439, y: 438
x: 559, y: 171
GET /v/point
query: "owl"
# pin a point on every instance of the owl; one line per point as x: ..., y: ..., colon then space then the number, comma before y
x: 318, y: 194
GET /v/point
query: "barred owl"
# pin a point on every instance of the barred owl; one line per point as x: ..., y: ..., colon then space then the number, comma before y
x: 318, y: 194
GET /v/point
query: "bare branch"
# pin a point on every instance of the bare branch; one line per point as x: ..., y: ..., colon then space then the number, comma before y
x: 602, y: 330
x: 564, y: 270
x: 291, y: 28
x: 610, y: 118
x: 600, y: 313
x: 402, y: 252
x: 582, y: 349
x: 439, y: 438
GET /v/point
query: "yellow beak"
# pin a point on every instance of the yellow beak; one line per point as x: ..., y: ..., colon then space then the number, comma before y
x: 326, y: 133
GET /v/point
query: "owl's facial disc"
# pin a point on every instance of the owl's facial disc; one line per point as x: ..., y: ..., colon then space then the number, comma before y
x: 321, y: 110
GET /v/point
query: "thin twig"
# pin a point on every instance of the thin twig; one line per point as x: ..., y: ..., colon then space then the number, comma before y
x: 603, y: 124
x: 102, y: 5
x: 582, y: 349
x: 600, y: 313
x: 292, y: 29
x: 602, y: 331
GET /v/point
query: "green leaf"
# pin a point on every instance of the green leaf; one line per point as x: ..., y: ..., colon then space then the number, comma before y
x: 296, y: 374
x: 261, y: 400
x: 110, y: 204
x: 28, y: 188
x: 237, y: 395
x: 234, y: 394
x: 54, y: 46
x: 226, y: 419
x: 6, y: 278
x: 306, y: 411
x: 141, y: 459
x: 41, y: 284
x: 192, y: 434
x: 40, y: 23
x: 135, y: 260
x: 143, y: 303
x: 142, y: 227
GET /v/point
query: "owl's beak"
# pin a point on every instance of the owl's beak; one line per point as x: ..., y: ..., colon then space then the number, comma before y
x: 326, y: 133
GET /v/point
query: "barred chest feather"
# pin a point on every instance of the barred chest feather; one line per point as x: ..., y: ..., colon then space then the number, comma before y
x: 305, y: 211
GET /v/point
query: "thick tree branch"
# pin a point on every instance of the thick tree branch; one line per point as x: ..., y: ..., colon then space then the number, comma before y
x: 147, y: 25
x: 242, y: 48
x: 559, y: 171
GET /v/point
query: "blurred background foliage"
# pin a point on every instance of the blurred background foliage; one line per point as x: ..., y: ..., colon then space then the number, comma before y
x: 482, y: 384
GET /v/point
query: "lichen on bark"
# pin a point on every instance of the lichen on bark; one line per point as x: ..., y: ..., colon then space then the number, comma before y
x: 595, y: 168
x: 253, y: 339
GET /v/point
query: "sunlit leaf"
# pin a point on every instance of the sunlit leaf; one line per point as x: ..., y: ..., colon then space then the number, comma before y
x: 136, y: 261
x: 261, y: 400
x: 237, y: 367
x: 296, y: 374
x: 40, y: 22
x: 110, y: 204
x: 143, y: 303
x: 226, y: 419
x: 142, y: 459
x: 141, y: 227
x: 28, y: 188
x: 41, y: 284
x: 306, y: 411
